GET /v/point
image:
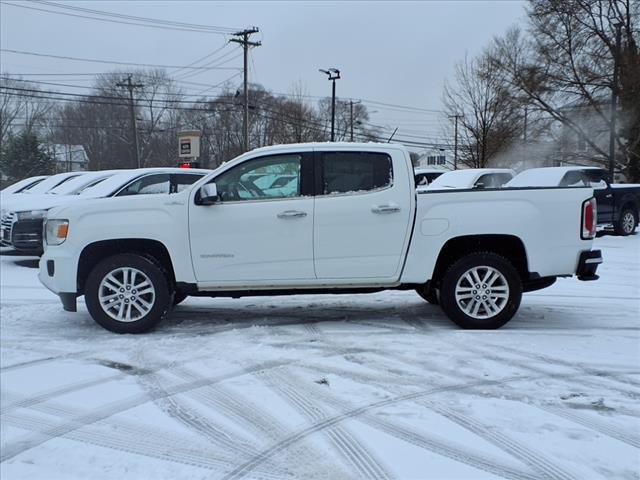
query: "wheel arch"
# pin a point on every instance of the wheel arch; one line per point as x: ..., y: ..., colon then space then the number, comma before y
x: 95, y: 252
x: 629, y: 201
x: 509, y: 246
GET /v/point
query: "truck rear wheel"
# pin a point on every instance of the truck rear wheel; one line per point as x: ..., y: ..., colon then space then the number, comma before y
x: 128, y: 293
x: 627, y: 223
x: 481, y: 291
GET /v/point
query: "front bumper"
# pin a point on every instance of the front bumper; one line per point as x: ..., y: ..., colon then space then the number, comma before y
x: 58, y: 272
x: 588, y: 264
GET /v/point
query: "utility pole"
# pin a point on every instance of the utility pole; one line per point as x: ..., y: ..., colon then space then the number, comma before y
x: 614, y: 103
x: 455, y: 141
x: 244, y: 41
x: 351, y: 104
x: 333, y: 75
x: 132, y: 109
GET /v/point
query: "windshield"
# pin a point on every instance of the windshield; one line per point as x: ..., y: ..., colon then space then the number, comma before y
x: 23, y: 185
x: 52, y: 182
x: 77, y: 184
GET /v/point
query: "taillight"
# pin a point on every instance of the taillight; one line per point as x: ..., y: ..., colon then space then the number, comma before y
x: 589, y: 219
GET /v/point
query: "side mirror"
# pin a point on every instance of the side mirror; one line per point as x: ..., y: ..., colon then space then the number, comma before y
x: 208, y: 194
x: 479, y: 186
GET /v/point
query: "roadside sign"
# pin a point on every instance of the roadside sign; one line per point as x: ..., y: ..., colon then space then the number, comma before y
x: 189, y: 144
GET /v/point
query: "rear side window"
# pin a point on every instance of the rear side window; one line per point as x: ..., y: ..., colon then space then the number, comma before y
x: 351, y: 172
x: 574, y: 178
x: 158, y: 183
x: 180, y: 181
x: 494, y: 180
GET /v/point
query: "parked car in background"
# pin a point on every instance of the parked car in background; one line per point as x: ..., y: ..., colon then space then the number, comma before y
x: 21, y: 220
x: 618, y: 204
x: 22, y: 185
x: 50, y: 182
x: 353, y: 224
x: 472, y: 178
x: 424, y: 176
x: 21, y: 216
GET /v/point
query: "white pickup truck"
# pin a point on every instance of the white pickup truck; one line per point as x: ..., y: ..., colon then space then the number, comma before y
x: 351, y: 223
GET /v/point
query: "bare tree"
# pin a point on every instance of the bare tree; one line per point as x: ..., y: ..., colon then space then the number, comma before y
x: 23, y: 107
x: 565, y: 67
x: 489, y: 114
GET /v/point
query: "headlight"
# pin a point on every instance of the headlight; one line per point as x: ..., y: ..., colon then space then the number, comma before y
x: 55, y: 231
x: 32, y: 215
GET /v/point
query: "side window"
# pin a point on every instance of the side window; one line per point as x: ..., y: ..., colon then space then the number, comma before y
x: 573, y: 179
x: 158, y: 183
x: 276, y: 176
x: 494, y: 180
x: 180, y: 181
x: 344, y: 172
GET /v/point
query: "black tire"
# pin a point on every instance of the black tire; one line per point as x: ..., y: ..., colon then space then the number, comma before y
x: 627, y: 223
x: 179, y: 297
x: 507, y: 284
x: 160, y: 301
x: 428, y: 294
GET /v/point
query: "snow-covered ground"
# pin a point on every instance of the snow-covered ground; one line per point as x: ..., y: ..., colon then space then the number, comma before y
x: 310, y: 387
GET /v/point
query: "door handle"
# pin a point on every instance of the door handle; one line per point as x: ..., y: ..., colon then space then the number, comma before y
x: 292, y: 214
x: 609, y: 195
x: 389, y: 208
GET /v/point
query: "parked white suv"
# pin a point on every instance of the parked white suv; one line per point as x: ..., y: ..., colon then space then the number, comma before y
x: 353, y: 223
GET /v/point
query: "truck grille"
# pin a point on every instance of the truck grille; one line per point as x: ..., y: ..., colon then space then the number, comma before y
x: 6, y: 227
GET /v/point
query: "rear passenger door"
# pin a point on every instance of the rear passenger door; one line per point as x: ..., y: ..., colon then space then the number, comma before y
x: 362, y: 215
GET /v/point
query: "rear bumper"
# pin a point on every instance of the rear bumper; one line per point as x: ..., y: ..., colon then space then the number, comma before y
x: 588, y: 264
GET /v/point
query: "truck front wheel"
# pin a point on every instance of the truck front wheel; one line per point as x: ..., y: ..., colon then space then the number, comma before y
x: 481, y: 291
x: 128, y: 293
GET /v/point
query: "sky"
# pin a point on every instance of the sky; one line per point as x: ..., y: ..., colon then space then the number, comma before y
x: 398, y: 53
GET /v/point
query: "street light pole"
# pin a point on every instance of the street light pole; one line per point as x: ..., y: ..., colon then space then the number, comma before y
x: 333, y: 74
x: 614, y: 103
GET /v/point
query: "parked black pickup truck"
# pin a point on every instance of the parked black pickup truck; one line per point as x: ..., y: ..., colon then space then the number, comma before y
x: 618, y: 203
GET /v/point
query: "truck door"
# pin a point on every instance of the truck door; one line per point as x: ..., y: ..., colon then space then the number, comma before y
x: 255, y: 233
x: 363, y: 215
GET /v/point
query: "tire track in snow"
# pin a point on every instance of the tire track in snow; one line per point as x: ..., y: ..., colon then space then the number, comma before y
x: 123, y: 405
x: 461, y: 454
x: 534, y: 459
x: 347, y: 445
x: 490, y: 353
x: 190, y: 416
x: 584, y: 371
x: 56, y: 392
x: 539, y: 462
x: 593, y: 424
x: 120, y: 406
x: 252, y: 417
x: 546, y: 359
x: 168, y: 447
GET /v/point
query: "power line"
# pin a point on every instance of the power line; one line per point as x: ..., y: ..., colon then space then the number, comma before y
x: 144, y: 19
x: 212, y: 64
x: 279, y: 116
x: 93, y: 60
x: 175, y: 72
x: 150, y: 24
